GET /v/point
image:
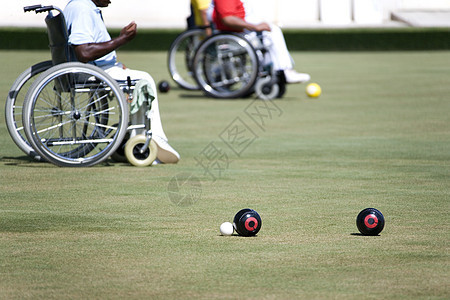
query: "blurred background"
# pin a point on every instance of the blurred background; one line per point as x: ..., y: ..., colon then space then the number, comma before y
x: 286, y: 13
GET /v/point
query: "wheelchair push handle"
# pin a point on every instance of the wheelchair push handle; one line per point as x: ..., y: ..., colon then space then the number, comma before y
x: 39, y: 8
x: 48, y: 8
x: 31, y: 7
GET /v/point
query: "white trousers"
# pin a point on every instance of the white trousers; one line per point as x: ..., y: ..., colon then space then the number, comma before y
x: 274, y: 40
x: 275, y: 43
x: 117, y: 72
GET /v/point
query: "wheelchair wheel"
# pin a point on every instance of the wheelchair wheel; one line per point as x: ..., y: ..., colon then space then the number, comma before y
x: 14, y: 106
x: 75, y: 115
x: 282, y: 90
x: 181, y: 55
x: 226, y: 66
x: 133, y: 151
x: 119, y: 154
x: 266, y: 89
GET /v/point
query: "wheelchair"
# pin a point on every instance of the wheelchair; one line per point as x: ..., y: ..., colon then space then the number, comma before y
x: 75, y: 114
x: 224, y: 65
x: 181, y: 55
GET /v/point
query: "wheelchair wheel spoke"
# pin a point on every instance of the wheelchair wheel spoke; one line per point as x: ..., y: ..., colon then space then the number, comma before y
x: 226, y: 66
x: 77, y: 115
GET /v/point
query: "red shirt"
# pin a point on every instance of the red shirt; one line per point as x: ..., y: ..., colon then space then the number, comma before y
x: 225, y: 8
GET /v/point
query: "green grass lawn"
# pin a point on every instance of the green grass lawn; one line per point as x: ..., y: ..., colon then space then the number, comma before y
x: 379, y: 136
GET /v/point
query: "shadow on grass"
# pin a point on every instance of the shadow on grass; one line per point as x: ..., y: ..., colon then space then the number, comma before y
x: 27, y: 161
x: 360, y: 234
x: 194, y: 95
x: 17, y: 160
x: 200, y: 96
x: 23, y: 222
x: 237, y: 235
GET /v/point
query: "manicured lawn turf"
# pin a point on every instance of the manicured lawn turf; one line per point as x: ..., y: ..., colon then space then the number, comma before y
x: 379, y: 136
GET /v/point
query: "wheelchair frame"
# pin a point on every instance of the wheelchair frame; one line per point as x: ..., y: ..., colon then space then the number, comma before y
x: 189, y: 64
x: 75, y: 114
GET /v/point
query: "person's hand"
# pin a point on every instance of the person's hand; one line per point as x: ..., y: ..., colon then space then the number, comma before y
x: 129, y: 31
x: 262, y: 27
x: 208, y: 31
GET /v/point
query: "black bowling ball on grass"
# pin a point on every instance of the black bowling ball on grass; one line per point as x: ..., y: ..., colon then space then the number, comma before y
x: 164, y: 86
x: 247, y: 222
x: 370, y: 221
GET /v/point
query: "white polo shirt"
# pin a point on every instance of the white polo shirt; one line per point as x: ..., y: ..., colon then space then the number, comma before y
x: 85, y: 25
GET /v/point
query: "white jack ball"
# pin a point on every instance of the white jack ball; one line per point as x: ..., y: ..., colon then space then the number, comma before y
x: 226, y: 228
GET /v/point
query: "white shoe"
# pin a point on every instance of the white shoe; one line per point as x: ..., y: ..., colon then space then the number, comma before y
x: 293, y: 76
x: 166, y: 154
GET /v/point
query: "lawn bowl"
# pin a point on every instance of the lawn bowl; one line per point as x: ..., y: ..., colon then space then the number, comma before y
x: 370, y: 221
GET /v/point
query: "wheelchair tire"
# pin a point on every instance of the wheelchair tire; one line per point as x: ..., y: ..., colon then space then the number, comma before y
x: 181, y: 56
x: 281, y: 83
x: 119, y: 154
x: 282, y: 89
x: 226, y: 66
x: 75, y: 115
x: 14, y: 106
x: 265, y: 89
x: 133, y: 154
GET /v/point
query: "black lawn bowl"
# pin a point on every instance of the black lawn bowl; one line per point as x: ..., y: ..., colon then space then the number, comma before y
x: 247, y: 222
x: 164, y: 86
x: 370, y: 221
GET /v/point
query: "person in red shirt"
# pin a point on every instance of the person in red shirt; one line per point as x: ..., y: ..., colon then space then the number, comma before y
x: 238, y: 16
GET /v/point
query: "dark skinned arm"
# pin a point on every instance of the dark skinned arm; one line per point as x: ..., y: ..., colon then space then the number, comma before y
x: 205, y: 21
x: 92, y: 51
x: 240, y: 24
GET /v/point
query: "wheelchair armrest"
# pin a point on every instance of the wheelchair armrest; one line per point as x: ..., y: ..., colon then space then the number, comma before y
x: 260, y: 35
x: 205, y: 26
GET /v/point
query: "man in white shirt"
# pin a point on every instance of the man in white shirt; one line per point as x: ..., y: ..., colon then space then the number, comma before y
x: 92, y: 44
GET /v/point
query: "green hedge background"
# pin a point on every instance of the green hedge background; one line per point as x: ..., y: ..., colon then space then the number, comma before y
x: 360, y: 39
